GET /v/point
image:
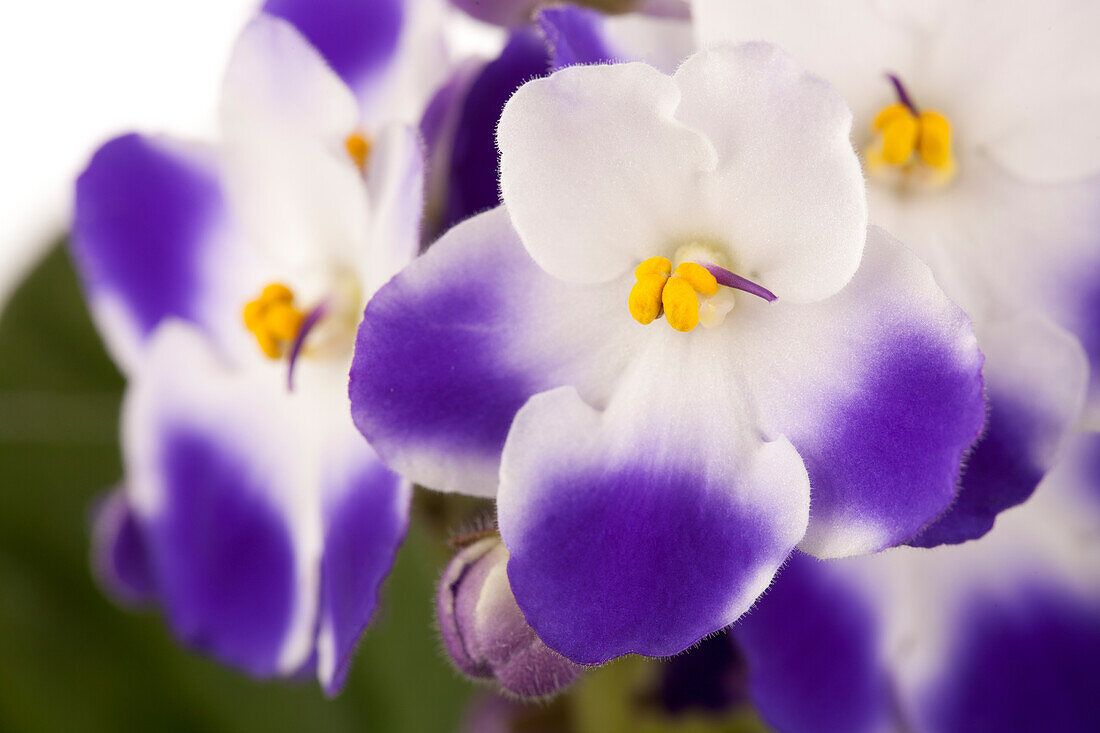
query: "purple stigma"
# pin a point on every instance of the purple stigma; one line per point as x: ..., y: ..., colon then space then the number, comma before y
x: 903, y: 94
x: 312, y: 319
x: 730, y: 280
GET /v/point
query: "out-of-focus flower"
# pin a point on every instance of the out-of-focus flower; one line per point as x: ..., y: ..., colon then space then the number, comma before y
x: 228, y: 283
x: 974, y: 124
x: 484, y: 631
x: 653, y: 476
x: 1000, y: 633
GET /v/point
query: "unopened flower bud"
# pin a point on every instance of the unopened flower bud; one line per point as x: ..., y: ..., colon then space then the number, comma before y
x: 484, y: 630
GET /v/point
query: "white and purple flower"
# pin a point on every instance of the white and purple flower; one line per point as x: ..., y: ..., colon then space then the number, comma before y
x: 228, y: 282
x: 1001, y: 633
x: 972, y: 119
x: 808, y: 386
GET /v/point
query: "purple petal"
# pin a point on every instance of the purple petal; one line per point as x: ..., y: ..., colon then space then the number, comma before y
x: 1037, y: 376
x: 473, y: 168
x: 880, y: 390
x: 144, y: 214
x: 1024, y: 663
x: 622, y: 543
x: 363, y: 529
x: 222, y: 554
x: 356, y: 37
x: 575, y: 36
x: 119, y: 552
x: 499, y: 12
x: 455, y: 344
x: 812, y: 650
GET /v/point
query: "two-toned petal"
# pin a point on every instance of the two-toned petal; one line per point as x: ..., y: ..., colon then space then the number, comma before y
x: 880, y: 390
x: 365, y: 514
x: 453, y: 346
x: 221, y: 484
x: 1036, y: 376
x: 148, y: 215
x: 649, y: 525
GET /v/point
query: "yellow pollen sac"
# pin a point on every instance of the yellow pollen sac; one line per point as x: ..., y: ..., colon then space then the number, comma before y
x: 698, y: 277
x: 273, y: 319
x: 900, y: 130
x: 681, y: 304
x: 935, y: 139
x: 358, y: 148
x: 659, y: 290
x: 903, y: 133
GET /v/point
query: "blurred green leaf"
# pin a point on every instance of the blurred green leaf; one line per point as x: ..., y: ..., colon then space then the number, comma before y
x: 70, y: 660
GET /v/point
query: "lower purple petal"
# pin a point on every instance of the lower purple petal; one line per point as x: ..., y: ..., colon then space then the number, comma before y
x: 1025, y: 663
x: 812, y: 649
x: 363, y: 528
x: 222, y: 555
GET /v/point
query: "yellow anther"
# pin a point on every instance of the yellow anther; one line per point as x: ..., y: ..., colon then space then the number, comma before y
x: 653, y: 266
x: 645, y: 297
x: 698, y: 277
x: 358, y: 148
x: 902, y: 133
x: 935, y: 139
x: 681, y: 304
x: 273, y: 319
x: 900, y: 130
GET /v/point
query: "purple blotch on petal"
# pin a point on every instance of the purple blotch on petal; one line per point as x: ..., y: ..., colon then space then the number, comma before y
x: 141, y: 217
x: 1024, y: 663
x: 812, y: 650
x: 892, y: 455
x: 222, y: 554
x: 356, y: 37
x: 633, y: 559
x: 999, y: 473
x: 363, y: 530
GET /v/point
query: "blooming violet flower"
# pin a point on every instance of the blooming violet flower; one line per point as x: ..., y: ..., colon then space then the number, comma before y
x: 1001, y: 633
x: 652, y: 478
x: 974, y: 124
x: 228, y: 282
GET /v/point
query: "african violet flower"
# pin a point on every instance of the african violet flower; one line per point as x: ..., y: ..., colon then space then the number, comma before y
x: 971, y: 119
x: 228, y: 282
x: 654, y: 472
x: 1001, y: 633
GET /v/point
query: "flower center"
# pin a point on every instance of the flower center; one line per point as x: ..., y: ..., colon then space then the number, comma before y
x: 273, y: 319
x: 910, y: 145
x: 358, y: 148
x: 691, y: 294
x: 281, y: 329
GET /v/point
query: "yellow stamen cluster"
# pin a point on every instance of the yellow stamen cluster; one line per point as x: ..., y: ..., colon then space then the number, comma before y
x: 676, y: 294
x: 273, y: 319
x: 358, y: 148
x: 904, y: 133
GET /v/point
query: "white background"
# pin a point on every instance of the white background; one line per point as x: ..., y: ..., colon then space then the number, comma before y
x: 74, y: 73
